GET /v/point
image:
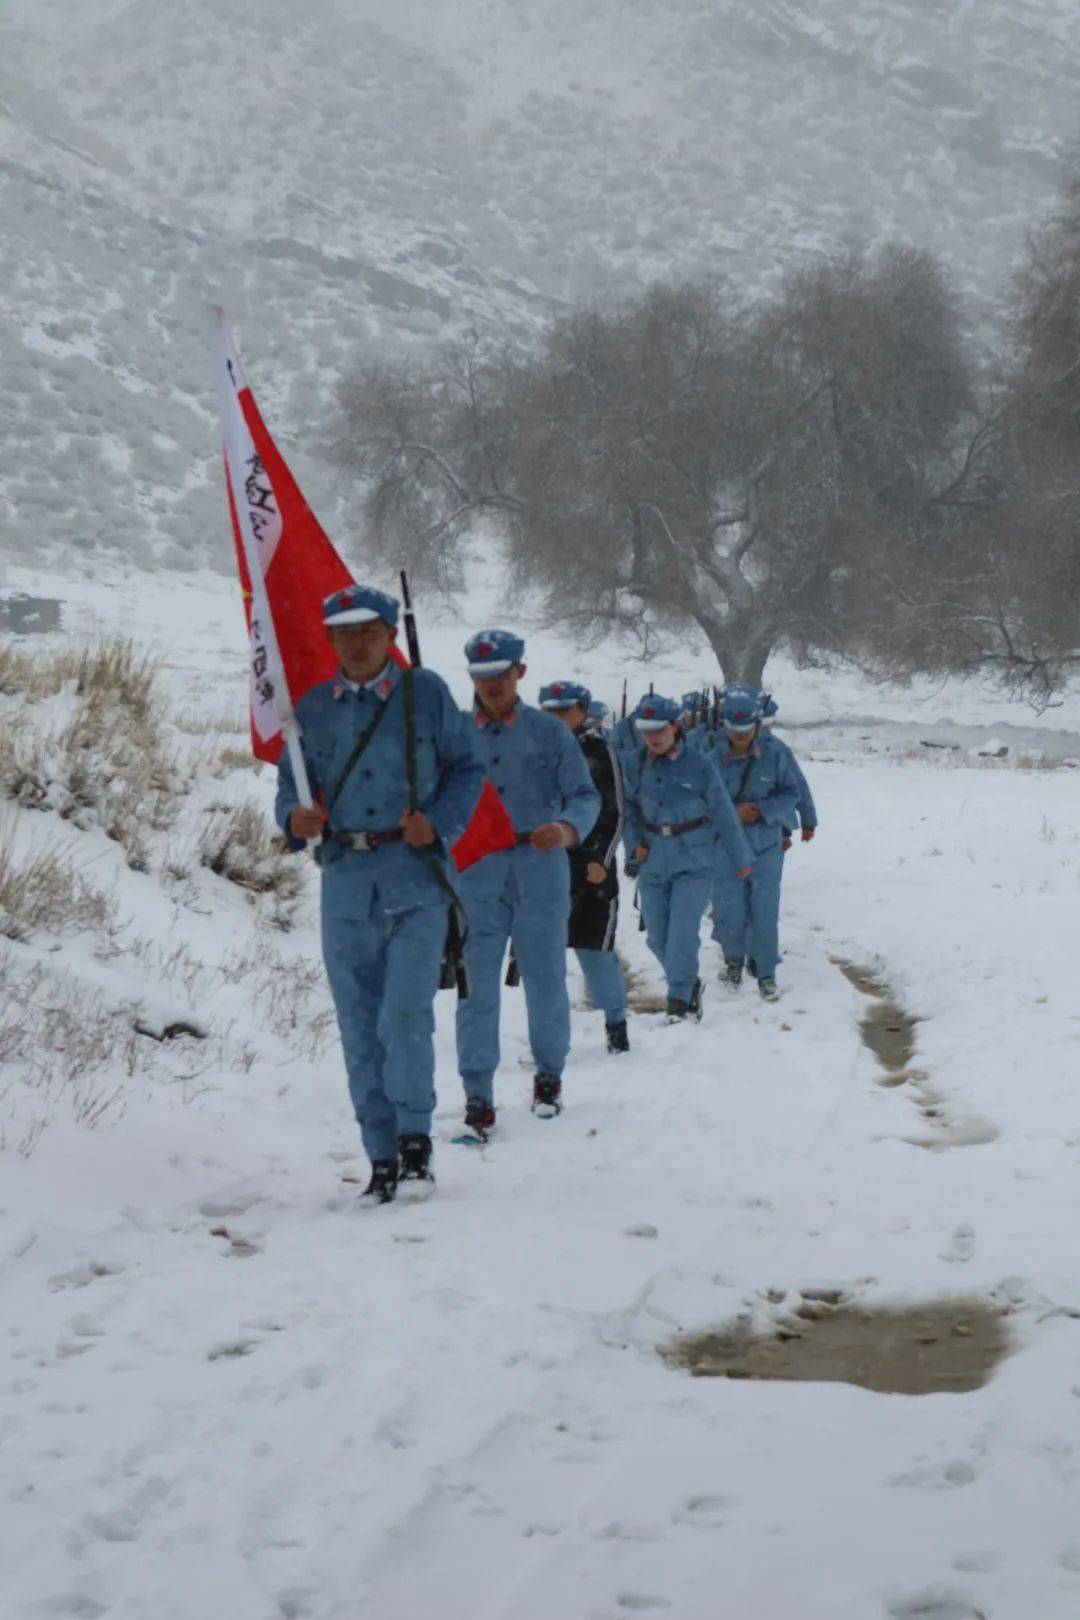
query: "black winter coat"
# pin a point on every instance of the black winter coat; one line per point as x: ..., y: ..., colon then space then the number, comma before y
x: 594, y: 907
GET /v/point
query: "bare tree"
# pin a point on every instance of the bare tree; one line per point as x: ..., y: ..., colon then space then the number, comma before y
x: 431, y: 446
x: 683, y: 460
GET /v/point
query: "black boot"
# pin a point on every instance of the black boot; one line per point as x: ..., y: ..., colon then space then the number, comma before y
x: 676, y: 1010
x: 547, y: 1096
x: 414, y: 1164
x: 618, y: 1039
x: 694, y: 1007
x: 731, y: 978
x: 383, y: 1184
x: 479, y: 1118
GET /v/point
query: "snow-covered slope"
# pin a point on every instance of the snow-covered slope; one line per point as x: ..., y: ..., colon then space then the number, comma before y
x: 225, y: 1391
x: 351, y: 175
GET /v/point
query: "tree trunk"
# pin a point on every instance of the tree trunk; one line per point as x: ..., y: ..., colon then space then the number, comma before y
x: 742, y: 649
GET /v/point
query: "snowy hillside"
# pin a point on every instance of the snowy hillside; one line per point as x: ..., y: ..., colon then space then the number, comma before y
x: 225, y: 1391
x: 347, y: 176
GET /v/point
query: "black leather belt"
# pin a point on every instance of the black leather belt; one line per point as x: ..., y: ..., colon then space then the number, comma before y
x: 523, y: 838
x: 367, y: 840
x: 672, y: 829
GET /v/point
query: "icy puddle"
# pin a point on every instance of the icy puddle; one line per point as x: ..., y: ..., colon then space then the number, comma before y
x: 887, y: 1029
x: 947, y: 1346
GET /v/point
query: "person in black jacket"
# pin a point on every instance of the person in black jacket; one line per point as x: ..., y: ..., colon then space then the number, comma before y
x: 594, y: 877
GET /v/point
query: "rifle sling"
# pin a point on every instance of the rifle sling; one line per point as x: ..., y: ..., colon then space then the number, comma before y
x: 357, y: 754
x: 737, y: 797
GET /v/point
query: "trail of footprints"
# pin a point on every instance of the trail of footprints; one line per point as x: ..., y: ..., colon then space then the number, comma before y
x: 888, y: 1031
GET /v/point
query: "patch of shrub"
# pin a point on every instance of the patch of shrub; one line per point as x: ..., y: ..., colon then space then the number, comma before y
x: 43, y: 893
x: 239, y: 843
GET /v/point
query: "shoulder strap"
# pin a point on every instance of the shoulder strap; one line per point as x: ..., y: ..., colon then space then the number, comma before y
x: 357, y: 753
x: 747, y: 768
x: 408, y: 694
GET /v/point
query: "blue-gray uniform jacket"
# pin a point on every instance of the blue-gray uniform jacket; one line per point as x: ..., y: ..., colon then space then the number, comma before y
x: 768, y: 777
x: 807, y: 810
x: 538, y: 770
x: 682, y: 786
x: 333, y: 716
x: 624, y: 737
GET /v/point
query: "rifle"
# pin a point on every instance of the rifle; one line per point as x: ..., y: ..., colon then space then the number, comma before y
x: 411, y: 637
x: 622, y: 712
x: 453, y: 964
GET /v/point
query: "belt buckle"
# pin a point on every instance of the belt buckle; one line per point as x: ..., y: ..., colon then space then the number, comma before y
x: 362, y: 842
x: 666, y: 829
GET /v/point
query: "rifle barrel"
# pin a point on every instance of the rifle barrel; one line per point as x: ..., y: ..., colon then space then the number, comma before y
x: 412, y: 637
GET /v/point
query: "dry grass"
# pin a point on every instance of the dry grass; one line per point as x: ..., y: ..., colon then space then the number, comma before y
x: 239, y: 759
x: 198, y: 723
x: 43, y: 893
x: 111, y: 763
x: 111, y: 669
x: 640, y: 995
x: 59, y: 1050
x: 240, y: 844
x: 948, y: 758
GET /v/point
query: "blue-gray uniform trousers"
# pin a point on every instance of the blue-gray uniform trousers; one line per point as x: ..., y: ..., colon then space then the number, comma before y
x: 384, y: 913
x: 532, y: 916
x: 522, y: 894
x: 383, y: 964
x: 746, y: 916
x: 605, y: 982
x: 675, y: 881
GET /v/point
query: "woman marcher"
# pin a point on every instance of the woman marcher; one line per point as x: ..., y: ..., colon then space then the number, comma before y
x: 594, y: 875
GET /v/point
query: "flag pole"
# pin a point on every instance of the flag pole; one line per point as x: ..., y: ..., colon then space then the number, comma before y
x: 262, y: 619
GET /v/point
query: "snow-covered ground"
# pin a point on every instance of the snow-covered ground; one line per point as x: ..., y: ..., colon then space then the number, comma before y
x: 225, y: 1392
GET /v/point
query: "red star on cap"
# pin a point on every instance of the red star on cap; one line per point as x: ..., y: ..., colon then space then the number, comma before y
x: 483, y: 649
x: 649, y: 713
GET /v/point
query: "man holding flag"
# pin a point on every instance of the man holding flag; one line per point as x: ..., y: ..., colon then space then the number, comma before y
x: 396, y: 778
x: 374, y: 759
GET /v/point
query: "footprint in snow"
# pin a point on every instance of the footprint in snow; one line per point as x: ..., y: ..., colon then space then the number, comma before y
x: 296, y: 1602
x: 217, y: 1208
x: 936, y: 1603
x: 231, y: 1349
x: 938, y: 1477
x: 82, y: 1276
x: 241, y: 1246
x: 73, y: 1606
x: 978, y: 1563
x: 961, y: 1246
x: 706, y: 1510
x: 641, y: 1603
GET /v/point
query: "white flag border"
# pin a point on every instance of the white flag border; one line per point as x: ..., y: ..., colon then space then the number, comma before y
x: 230, y: 379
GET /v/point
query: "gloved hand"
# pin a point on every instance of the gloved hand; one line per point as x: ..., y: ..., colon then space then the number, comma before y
x: 631, y: 866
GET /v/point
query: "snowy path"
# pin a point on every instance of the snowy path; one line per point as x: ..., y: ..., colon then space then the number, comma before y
x: 458, y: 1410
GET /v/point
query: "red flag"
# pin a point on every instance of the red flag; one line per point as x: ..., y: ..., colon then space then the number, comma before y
x: 490, y: 829
x: 276, y: 532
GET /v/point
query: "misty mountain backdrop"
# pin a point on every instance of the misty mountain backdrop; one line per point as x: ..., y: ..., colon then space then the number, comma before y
x: 352, y: 177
